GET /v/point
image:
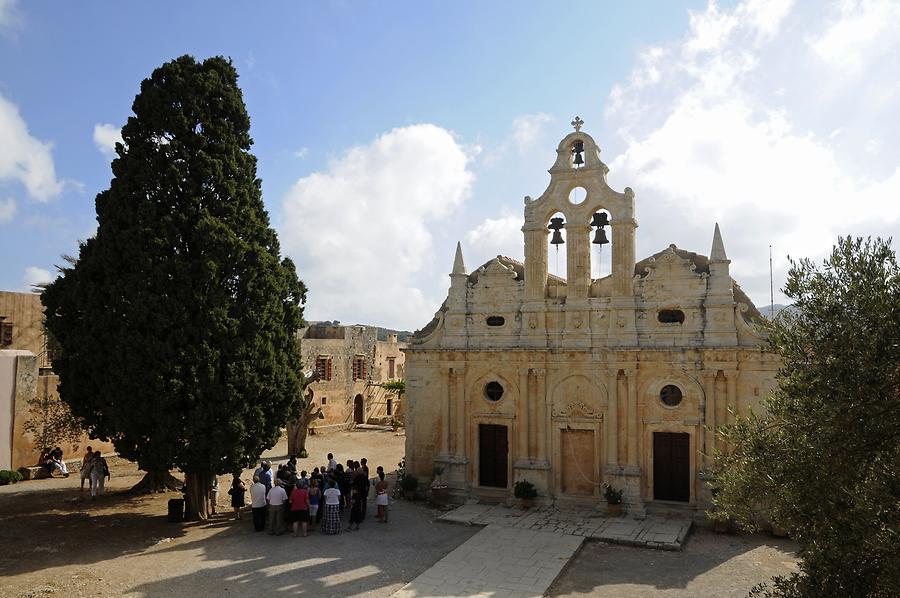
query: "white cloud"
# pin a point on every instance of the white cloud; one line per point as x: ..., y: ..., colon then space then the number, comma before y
x: 528, y: 128
x: 106, y: 137
x: 35, y: 276
x: 24, y: 158
x: 860, y: 32
x: 301, y: 153
x: 361, y: 231
x: 712, y: 125
x: 496, y: 236
x: 7, y: 209
x: 10, y: 17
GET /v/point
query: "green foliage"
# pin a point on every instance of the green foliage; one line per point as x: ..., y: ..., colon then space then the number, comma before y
x: 397, y: 387
x: 525, y: 490
x: 612, y: 496
x: 409, y: 482
x: 177, y: 321
x: 824, y: 461
x: 50, y: 422
x: 10, y: 476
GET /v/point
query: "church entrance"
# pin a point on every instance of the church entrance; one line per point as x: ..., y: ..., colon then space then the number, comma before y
x: 672, y: 466
x: 358, y: 410
x: 578, y: 473
x: 493, y: 455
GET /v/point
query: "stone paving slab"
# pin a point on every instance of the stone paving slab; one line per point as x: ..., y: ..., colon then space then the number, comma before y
x: 587, y: 522
x: 499, y: 561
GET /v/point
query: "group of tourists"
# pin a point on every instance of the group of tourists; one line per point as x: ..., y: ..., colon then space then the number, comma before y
x: 305, y: 500
x: 94, y: 468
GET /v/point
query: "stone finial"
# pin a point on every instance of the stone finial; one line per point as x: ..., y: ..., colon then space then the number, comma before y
x: 577, y: 123
x: 459, y: 266
x: 717, y: 253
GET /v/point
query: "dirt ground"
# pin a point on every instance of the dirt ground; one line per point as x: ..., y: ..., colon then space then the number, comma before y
x: 711, y: 565
x: 57, y: 542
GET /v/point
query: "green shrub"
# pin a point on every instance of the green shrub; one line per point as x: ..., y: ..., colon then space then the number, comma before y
x: 525, y: 489
x: 409, y: 483
x: 8, y: 476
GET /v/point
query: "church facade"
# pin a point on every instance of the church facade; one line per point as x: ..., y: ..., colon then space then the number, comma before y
x: 574, y: 382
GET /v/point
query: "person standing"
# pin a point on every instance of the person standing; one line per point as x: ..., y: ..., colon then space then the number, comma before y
x: 356, y: 510
x: 276, y: 498
x: 99, y: 473
x: 381, y: 496
x: 299, y: 513
x: 85, y: 471
x: 332, y: 464
x: 236, y: 492
x: 361, y: 486
x: 332, y: 520
x: 258, y: 504
x: 213, y: 494
x: 315, y: 497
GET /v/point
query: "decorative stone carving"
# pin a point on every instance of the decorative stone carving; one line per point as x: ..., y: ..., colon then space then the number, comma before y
x: 577, y: 409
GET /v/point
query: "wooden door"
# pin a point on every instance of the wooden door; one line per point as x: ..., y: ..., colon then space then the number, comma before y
x: 672, y: 466
x: 493, y: 455
x: 579, y: 469
x: 358, y: 410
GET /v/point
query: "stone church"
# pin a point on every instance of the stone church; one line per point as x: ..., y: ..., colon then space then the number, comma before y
x: 573, y: 382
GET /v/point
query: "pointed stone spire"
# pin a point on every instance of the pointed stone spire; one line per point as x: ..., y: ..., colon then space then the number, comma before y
x: 459, y: 266
x: 717, y: 253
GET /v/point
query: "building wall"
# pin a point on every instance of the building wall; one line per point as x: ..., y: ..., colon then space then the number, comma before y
x: 343, y: 344
x: 26, y: 371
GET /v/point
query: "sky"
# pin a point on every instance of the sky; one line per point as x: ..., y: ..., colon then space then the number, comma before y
x: 387, y: 132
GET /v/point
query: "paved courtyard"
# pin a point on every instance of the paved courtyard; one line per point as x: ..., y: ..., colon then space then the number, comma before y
x: 652, y: 532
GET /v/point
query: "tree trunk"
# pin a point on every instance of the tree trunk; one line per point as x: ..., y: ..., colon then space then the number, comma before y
x: 157, y: 481
x: 298, y: 430
x: 197, y: 493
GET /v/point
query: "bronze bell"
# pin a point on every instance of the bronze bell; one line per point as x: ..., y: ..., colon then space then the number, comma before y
x: 600, y: 237
x: 555, y: 224
x: 578, y: 149
x: 600, y: 219
x: 557, y: 238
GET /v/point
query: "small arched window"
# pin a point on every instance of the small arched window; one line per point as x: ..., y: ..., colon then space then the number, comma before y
x: 670, y: 316
x: 495, y: 321
x: 670, y: 395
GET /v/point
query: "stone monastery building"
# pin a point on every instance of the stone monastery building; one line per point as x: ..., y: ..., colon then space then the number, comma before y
x: 570, y: 383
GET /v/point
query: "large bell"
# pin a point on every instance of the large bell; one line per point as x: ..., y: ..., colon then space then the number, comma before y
x: 600, y: 219
x: 557, y: 238
x: 555, y: 224
x: 578, y: 149
x: 600, y: 237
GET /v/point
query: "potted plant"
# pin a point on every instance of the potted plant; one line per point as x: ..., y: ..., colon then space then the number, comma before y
x: 439, y: 489
x: 613, y: 500
x: 409, y: 484
x: 9, y: 476
x: 526, y: 492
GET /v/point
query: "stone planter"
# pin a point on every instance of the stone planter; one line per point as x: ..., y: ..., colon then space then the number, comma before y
x: 527, y: 503
x: 778, y: 531
x: 613, y: 509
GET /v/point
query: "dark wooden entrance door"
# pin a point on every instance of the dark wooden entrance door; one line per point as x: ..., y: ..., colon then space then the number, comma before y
x: 358, y: 411
x: 493, y: 455
x: 671, y: 466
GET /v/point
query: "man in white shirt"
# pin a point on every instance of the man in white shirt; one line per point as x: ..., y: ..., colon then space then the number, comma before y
x: 277, y: 498
x: 332, y: 464
x: 258, y: 503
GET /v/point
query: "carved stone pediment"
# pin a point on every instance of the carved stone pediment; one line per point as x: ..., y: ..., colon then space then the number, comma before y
x: 577, y: 409
x: 497, y: 271
x: 670, y: 265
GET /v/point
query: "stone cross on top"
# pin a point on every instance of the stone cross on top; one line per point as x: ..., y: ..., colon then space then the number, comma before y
x: 577, y: 123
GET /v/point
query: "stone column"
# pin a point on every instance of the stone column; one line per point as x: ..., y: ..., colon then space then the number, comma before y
x: 578, y: 262
x: 612, y: 421
x: 731, y: 378
x: 523, y: 451
x: 535, y: 262
x: 632, y: 449
x: 541, y: 422
x: 708, y: 415
x: 449, y: 381
x: 460, y: 416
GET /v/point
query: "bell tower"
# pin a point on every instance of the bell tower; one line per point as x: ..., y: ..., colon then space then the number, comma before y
x: 566, y: 319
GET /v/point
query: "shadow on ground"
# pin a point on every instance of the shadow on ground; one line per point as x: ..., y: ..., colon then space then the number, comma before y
x: 710, y: 565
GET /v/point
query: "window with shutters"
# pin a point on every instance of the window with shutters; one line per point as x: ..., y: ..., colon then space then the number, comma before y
x: 323, y: 367
x: 391, y: 368
x: 324, y: 400
x: 359, y: 367
x: 6, y: 333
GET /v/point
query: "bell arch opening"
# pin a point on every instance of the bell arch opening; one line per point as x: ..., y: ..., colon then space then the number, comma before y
x: 601, y: 244
x: 557, y: 248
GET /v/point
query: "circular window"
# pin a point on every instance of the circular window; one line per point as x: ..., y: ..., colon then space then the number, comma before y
x: 670, y: 395
x: 493, y: 391
x: 577, y: 195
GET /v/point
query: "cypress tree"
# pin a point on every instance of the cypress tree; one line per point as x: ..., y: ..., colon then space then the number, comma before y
x: 177, y: 320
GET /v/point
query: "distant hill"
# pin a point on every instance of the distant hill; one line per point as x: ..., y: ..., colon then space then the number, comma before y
x: 767, y: 311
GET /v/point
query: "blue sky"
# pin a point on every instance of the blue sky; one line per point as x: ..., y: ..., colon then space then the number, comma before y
x: 385, y: 132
